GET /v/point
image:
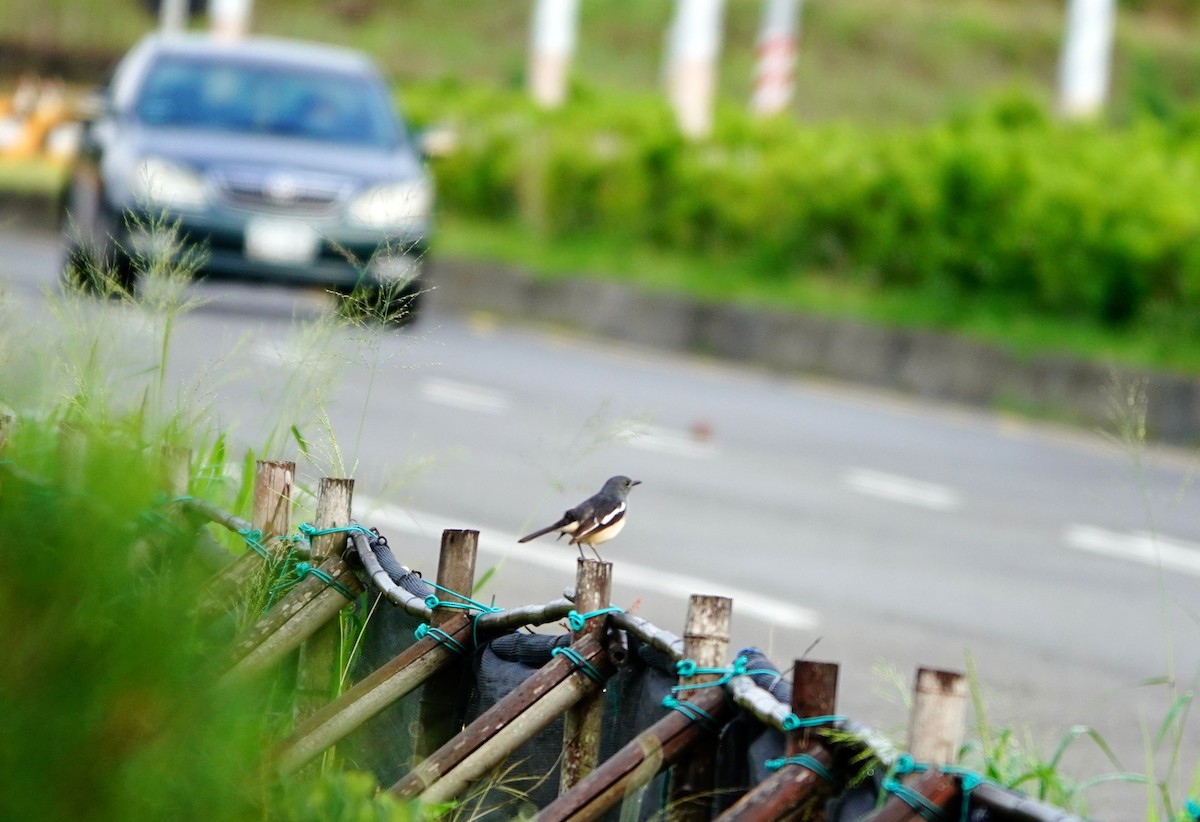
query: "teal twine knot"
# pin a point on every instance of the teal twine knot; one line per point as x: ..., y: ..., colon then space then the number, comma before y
x: 253, y: 538
x: 804, y: 761
x: 687, y: 668
x: 791, y: 722
x: 577, y: 620
x: 905, y: 764
x: 580, y: 662
x: 692, y: 712
x: 1193, y: 810
x: 309, y: 530
x: 443, y: 638
x: 467, y: 604
x: 304, y: 569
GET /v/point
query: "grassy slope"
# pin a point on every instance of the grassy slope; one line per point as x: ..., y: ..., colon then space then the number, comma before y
x: 876, y: 62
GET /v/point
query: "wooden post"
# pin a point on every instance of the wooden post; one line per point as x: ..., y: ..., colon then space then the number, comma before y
x: 176, y: 469
x: 581, y: 732
x: 366, y: 698
x: 791, y: 792
x: 705, y: 642
x: 273, y: 481
x: 438, y: 720
x: 317, y: 679
x: 939, y: 708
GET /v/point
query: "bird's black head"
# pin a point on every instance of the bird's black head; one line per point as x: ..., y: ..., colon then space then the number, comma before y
x: 620, y: 485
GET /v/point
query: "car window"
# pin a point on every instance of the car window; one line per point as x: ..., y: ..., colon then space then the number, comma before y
x: 251, y: 98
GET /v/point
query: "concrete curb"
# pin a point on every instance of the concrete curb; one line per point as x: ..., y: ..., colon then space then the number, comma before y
x: 921, y: 363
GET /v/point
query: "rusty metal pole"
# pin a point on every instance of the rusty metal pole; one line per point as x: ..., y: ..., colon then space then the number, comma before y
x: 935, y: 732
x: 581, y: 732
x: 705, y: 642
x: 438, y: 720
x: 316, y: 679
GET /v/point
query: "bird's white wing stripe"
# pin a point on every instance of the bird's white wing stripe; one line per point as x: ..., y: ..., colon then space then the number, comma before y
x: 613, y: 514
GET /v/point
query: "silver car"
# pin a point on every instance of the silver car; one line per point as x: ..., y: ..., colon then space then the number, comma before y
x: 281, y: 161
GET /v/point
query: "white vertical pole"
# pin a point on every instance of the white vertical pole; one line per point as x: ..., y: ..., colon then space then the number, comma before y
x: 1086, y: 55
x: 555, y: 23
x: 229, y: 19
x: 776, y: 66
x: 172, y: 15
x: 693, y: 46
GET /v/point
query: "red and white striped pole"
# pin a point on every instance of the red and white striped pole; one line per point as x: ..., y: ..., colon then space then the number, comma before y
x: 774, y: 74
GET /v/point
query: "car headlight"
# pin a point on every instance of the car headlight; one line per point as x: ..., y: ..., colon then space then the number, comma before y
x: 161, y: 182
x: 393, y: 206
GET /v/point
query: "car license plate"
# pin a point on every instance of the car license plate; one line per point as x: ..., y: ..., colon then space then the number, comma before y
x: 281, y: 241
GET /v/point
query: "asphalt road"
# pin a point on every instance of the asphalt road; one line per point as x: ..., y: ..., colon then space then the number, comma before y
x: 891, y: 533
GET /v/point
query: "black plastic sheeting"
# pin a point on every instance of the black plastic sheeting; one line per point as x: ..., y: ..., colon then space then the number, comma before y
x: 632, y: 703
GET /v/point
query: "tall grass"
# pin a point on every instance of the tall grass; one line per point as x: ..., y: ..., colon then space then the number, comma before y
x: 112, y: 693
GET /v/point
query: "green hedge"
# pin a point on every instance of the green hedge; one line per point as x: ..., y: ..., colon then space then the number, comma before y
x: 1005, y: 203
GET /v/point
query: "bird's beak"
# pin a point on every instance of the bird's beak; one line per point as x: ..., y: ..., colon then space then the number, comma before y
x: 635, y: 482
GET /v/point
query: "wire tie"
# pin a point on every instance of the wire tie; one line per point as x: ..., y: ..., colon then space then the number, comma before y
x: 692, y: 712
x: 577, y: 620
x: 253, y: 538
x: 443, y: 638
x: 580, y: 662
x: 804, y: 761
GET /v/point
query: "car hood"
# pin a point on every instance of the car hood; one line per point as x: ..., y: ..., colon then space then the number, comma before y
x: 207, y: 152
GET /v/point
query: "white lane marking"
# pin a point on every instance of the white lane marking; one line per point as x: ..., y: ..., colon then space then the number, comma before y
x: 463, y: 395
x: 902, y: 489
x: 1137, y: 546
x: 665, y: 441
x: 558, y: 557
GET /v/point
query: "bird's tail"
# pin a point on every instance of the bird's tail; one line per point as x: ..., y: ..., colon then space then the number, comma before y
x: 545, y: 530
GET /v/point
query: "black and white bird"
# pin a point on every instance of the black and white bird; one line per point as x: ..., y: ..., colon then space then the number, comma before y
x: 597, y: 519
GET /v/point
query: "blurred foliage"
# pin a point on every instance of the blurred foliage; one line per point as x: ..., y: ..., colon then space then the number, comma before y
x: 111, y: 691
x: 1000, y: 202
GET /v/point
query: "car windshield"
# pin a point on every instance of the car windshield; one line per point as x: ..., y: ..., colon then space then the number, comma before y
x: 254, y: 98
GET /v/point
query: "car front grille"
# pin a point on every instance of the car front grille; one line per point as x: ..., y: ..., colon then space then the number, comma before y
x: 281, y: 194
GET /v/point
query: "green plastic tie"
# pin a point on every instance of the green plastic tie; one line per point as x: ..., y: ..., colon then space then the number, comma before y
x: 304, y: 569
x: 253, y: 538
x: 577, y: 620
x: 467, y: 603
x: 924, y: 808
x: 443, y: 638
x: 692, y: 712
x: 580, y: 662
x: 791, y: 722
x: 804, y: 761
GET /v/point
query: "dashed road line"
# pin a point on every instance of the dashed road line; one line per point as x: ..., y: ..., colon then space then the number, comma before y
x: 906, y: 490
x: 1137, y: 546
x: 463, y: 395
x: 559, y: 558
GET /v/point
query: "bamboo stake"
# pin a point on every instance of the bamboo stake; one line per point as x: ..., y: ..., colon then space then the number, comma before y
x: 437, y: 719
x: 939, y: 709
x: 371, y: 695
x: 581, y: 731
x: 706, y: 641
x: 511, y: 722
x: 309, y: 606
x: 316, y: 677
x: 939, y: 789
x: 6, y: 422
x: 794, y: 791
